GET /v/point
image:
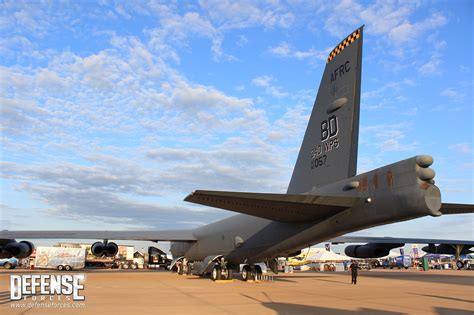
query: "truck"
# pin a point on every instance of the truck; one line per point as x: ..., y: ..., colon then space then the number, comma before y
x: 157, y: 259
x: 400, y: 262
x: 60, y: 258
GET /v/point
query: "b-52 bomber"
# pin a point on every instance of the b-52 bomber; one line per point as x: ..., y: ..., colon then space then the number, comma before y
x: 325, y: 198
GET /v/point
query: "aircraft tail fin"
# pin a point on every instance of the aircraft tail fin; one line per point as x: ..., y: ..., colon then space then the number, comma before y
x: 329, y: 149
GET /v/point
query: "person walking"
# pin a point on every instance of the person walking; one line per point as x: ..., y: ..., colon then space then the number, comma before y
x: 354, y: 267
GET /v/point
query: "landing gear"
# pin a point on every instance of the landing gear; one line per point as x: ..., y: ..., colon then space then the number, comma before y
x: 216, y: 273
x: 179, y: 265
x: 189, y: 270
x: 251, y: 272
x: 182, y: 266
x: 246, y: 273
x: 221, y: 270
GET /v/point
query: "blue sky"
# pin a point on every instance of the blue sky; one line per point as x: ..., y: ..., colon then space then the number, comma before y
x: 113, y: 111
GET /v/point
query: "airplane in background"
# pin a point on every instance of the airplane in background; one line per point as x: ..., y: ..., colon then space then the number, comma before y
x: 325, y: 198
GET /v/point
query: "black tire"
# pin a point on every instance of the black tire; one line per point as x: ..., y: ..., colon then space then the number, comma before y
x: 189, y: 269
x: 229, y: 274
x: 60, y: 267
x: 257, y: 274
x: 216, y: 273
x: 67, y: 268
x: 459, y: 264
x: 246, y: 273
x: 8, y: 265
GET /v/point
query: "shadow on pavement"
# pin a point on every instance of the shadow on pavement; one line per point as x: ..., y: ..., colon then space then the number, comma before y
x: 422, y: 277
x: 451, y: 311
x: 443, y: 297
x: 288, y: 308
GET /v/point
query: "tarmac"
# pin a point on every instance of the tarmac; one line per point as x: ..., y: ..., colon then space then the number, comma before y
x: 159, y: 292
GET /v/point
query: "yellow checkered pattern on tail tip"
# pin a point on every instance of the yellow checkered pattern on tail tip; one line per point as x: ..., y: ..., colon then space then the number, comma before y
x: 346, y: 42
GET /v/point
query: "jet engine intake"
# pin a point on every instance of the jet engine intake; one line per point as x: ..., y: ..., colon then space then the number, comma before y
x: 370, y: 250
x: 108, y: 249
x: 16, y: 249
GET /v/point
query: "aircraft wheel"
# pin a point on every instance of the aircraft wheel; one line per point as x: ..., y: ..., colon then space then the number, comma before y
x: 8, y: 265
x: 60, y: 267
x: 179, y: 265
x: 67, y: 268
x: 133, y: 266
x: 245, y: 273
x: 188, y: 269
x: 459, y: 264
x: 257, y: 273
x: 216, y: 273
x: 229, y: 274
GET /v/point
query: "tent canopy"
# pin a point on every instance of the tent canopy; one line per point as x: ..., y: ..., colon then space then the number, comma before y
x: 321, y: 254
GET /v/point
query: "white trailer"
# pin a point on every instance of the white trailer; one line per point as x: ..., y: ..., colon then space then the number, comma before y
x: 60, y: 258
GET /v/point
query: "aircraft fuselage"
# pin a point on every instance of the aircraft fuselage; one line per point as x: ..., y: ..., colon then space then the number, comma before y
x: 394, y: 193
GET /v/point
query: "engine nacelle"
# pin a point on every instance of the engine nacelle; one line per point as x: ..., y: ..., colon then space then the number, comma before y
x: 446, y: 249
x: 370, y: 250
x: 108, y: 249
x: 16, y: 249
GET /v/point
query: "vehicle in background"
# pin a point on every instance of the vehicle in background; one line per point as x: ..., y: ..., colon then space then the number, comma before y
x: 468, y: 263
x: 376, y: 263
x: 125, y: 258
x: 9, y: 263
x: 157, y: 259
x: 400, y: 262
x: 60, y: 258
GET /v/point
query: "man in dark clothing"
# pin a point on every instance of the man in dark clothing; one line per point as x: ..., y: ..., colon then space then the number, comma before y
x: 354, y: 267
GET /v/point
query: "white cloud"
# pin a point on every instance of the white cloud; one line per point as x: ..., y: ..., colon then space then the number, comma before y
x: 387, y: 138
x: 285, y: 50
x: 390, y: 19
x: 454, y: 94
x: 175, y: 30
x: 449, y: 93
x: 243, y: 14
x: 461, y: 148
x: 407, y: 31
x: 431, y: 67
x: 243, y: 40
x: 265, y: 82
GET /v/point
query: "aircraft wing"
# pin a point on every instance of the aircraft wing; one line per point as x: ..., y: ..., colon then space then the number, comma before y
x: 397, y: 240
x: 456, y: 208
x: 154, y: 236
x: 277, y: 207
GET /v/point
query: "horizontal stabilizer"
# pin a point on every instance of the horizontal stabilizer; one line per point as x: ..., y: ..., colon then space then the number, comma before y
x: 154, y: 236
x: 456, y: 208
x: 277, y: 207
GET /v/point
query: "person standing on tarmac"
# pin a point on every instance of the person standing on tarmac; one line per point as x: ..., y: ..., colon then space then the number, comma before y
x: 354, y: 267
